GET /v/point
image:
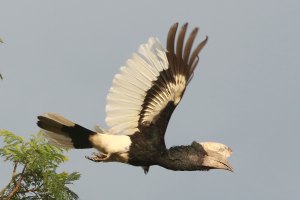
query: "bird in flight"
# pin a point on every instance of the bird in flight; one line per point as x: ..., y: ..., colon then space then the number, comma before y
x: 139, y: 106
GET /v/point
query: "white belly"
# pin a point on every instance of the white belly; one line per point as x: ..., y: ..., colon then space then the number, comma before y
x: 110, y: 144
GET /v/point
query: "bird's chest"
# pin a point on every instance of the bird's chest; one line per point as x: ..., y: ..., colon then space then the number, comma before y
x: 145, y: 149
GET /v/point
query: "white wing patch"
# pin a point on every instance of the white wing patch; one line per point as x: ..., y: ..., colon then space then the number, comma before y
x: 127, y: 94
x: 129, y: 89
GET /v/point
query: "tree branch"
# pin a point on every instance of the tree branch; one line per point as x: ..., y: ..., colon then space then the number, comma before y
x: 10, y: 182
x: 15, y: 173
x: 16, y: 189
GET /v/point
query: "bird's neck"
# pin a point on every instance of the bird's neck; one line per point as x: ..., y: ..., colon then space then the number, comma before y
x: 183, y: 158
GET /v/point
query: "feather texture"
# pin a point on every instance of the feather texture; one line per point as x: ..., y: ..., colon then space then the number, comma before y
x: 152, y: 79
x: 126, y: 95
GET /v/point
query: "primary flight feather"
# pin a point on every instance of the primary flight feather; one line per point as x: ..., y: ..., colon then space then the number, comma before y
x: 139, y: 106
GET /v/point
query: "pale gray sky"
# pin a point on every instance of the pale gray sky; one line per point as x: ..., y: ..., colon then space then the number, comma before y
x: 61, y: 56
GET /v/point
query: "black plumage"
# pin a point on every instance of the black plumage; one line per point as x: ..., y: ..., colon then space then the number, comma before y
x: 139, y: 106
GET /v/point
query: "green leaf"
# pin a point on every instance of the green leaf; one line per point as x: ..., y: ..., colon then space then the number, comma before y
x: 9, y: 137
x: 38, y: 161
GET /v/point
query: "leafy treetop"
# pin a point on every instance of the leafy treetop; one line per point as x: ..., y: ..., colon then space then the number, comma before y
x: 34, y: 169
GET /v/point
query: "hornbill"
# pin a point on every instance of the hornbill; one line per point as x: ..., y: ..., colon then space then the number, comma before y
x: 139, y: 106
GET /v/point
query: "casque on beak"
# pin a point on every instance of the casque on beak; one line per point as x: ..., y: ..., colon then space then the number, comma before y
x: 216, y: 156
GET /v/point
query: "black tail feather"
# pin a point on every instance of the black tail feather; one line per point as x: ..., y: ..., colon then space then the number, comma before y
x: 64, y: 132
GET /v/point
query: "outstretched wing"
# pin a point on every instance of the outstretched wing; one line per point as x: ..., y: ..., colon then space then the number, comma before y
x: 150, y: 86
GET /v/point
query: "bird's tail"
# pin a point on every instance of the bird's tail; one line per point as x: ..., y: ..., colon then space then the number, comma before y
x: 64, y: 133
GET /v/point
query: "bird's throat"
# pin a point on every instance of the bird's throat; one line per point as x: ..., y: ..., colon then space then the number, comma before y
x: 183, y: 158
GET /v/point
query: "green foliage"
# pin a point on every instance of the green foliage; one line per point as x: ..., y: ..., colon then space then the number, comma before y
x: 34, y: 174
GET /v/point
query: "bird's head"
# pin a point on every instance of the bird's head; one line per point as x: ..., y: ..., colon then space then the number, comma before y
x: 214, y: 155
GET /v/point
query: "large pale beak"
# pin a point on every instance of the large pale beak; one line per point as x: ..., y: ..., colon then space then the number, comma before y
x: 213, y: 163
x: 216, y: 157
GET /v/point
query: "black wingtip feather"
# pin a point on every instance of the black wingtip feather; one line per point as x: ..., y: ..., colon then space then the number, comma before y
x: 189, y: 44
x: 180, y: 40
x: 171, y: 37
x: 194, y: 57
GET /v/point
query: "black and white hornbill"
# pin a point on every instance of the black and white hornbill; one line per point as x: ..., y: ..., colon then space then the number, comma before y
x: 139, y: 106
